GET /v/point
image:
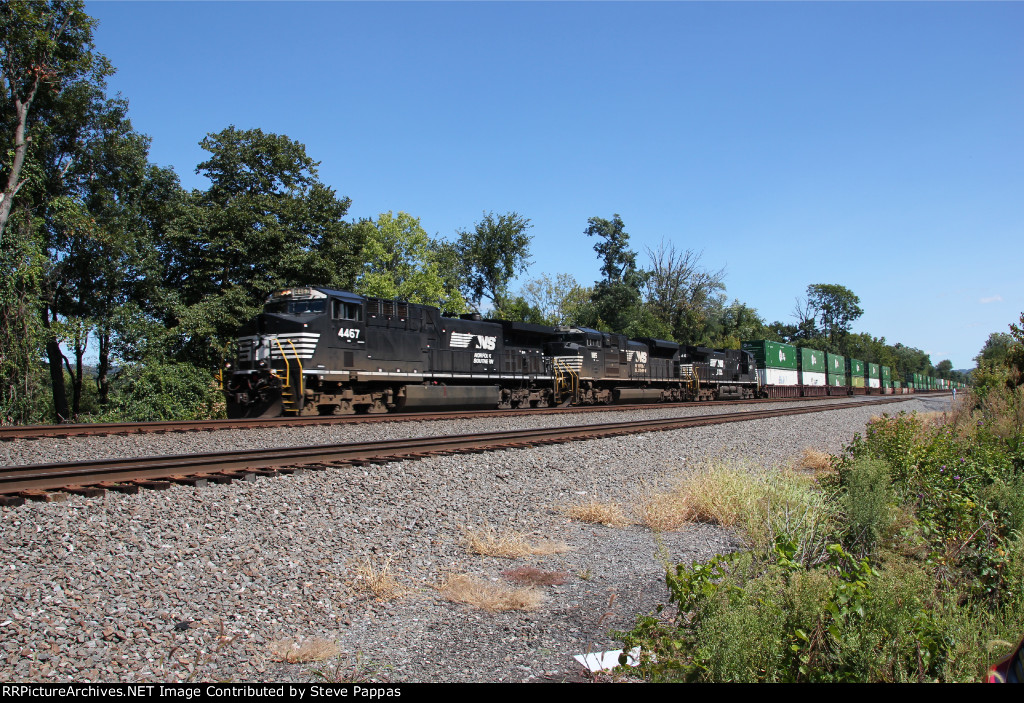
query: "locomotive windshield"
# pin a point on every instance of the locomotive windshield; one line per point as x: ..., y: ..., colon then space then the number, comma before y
x: 296, y: 307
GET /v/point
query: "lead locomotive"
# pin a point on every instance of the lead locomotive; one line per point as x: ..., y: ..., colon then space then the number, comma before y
x: 317, y: 351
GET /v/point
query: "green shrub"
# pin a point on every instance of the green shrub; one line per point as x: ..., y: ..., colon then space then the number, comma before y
x: 867, y: 499
x: 930, y: 589
x: 162, y: 391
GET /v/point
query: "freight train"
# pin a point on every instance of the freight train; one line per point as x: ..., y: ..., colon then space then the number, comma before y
x: 319, y: 351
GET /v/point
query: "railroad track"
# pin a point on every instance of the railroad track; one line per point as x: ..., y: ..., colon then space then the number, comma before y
x: 92, y: 478
x: 12, y: 432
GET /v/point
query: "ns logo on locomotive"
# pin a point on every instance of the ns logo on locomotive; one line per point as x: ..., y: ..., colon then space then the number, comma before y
x: 317, y: 351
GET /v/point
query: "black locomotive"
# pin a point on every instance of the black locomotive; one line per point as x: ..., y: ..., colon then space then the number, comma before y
x: 317, y: 351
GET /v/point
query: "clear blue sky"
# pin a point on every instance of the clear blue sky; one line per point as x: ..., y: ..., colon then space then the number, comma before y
x: 875, y: 145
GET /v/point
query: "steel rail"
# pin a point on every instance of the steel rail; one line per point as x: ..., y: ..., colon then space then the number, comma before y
x: 12, y: 432
x: 223, y: 466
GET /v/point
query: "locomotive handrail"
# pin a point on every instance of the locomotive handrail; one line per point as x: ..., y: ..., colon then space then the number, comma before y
x: 574, y: 385
x: 299, y: 362
x: 287, y: 366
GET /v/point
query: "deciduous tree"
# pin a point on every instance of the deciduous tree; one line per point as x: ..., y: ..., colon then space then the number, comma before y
x: 682, y: 293
x: 836, y: 307
x: 45, y: 49
x: 617, y: 304
x: 558, y: 300
x: 402, y: 263
x: 492, y: 254
x: 265, y: 221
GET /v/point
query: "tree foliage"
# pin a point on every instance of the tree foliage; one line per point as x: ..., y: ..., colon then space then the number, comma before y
x: 617, y: 304
x: 996, y: 348
x: 46, y: 53
x: 683, y: 295
x: 618, y: 260
x: 492, y: 254
x: 558, y: 300
x: 266, y: 221
x: 835, y: 307
x: 1015, y: 354
x: 403, y: 263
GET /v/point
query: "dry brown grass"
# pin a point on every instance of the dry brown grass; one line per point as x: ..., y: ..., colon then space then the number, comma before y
x: 815, y: 460
x: 370, y: 581
x: 509, y: 544
x: 933, y: 419
x: 608, y: 514
x: 665, y: 512
x: 720, y: 495
x: 476, y: 592
x: 532, y: 576
x: 299, y: 651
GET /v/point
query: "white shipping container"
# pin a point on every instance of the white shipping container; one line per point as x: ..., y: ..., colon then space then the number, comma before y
x: 813, y: 378
x: 874, y: 383
x: 778, y: 377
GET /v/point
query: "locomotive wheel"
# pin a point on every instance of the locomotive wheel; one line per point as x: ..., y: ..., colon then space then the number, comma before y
x: 376, y: 408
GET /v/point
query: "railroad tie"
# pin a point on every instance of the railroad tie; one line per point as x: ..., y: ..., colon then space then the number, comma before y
x: 196, y: 481
x: 87, y: 491
x: 152, y: 485
x: 269, y: 471
x: 44, y: 496
x: 129, y: 488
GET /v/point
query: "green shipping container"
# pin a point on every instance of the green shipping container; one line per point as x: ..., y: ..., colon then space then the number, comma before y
x: 857, y: 381
x: 886, y: 373
x: 772, y: 355
x: 873, y: 370
x: 837, y: 379
x: 836, y: 364
x: 812, y: 360
x: 856, y: 368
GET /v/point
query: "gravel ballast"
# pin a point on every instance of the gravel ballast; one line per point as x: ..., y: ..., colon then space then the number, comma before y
x: 211, y: 583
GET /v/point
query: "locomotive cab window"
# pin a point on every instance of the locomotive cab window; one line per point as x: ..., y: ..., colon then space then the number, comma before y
x: 296, y: 307
x: 340, y: 310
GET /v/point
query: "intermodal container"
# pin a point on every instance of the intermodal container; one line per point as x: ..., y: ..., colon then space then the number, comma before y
x: 778, y: 377
x: 837, y: 379
x: 836, y: 364
x: 873, y: 380
x: 812, y: 367
x: 856, y: 373
x: 772, y: 355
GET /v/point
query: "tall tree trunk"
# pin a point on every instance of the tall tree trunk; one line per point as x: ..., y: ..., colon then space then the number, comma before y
x: 61, y: 411
x: 103, y: 370
x: 77, y: 377
x: 14, y: 182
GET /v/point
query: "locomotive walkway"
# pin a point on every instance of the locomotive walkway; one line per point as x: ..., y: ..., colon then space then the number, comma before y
x: 92, y: 478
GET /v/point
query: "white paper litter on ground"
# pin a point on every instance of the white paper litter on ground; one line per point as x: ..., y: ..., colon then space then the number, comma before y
x: 603, y: 661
